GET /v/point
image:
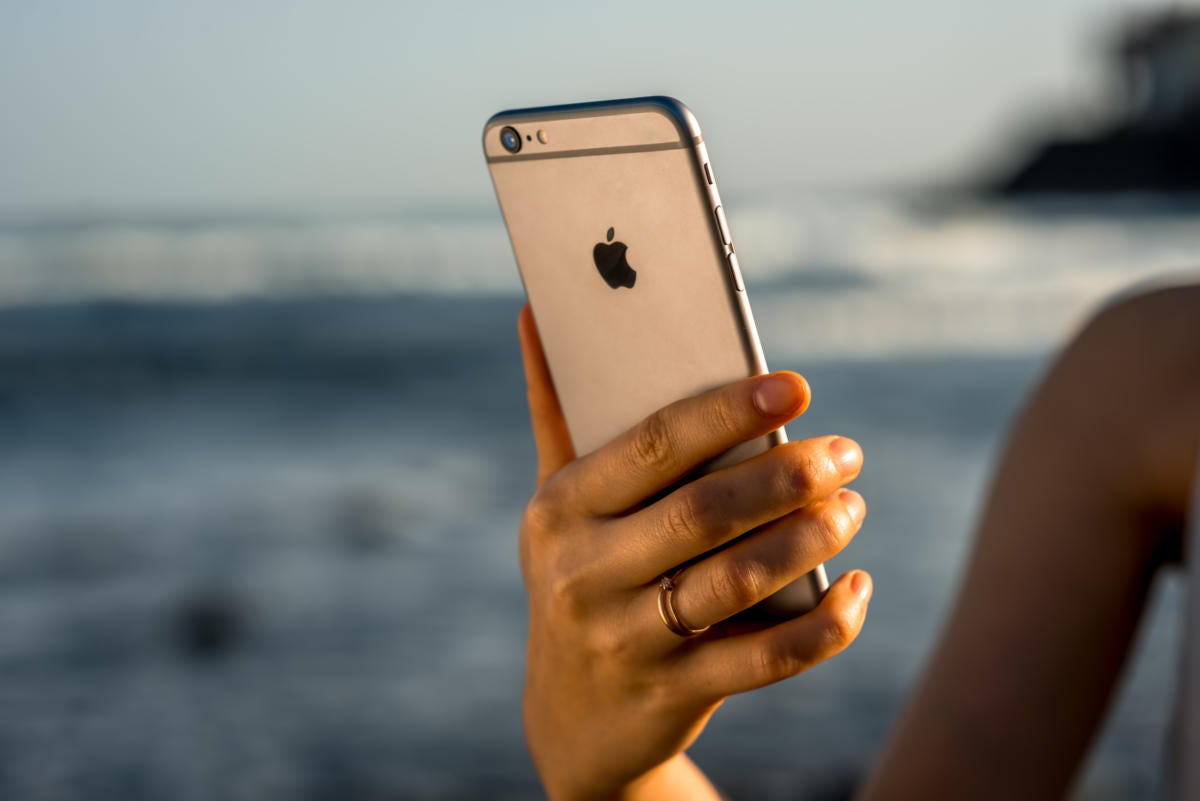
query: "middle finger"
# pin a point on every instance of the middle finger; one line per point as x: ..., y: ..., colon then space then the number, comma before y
x: 724, y: 505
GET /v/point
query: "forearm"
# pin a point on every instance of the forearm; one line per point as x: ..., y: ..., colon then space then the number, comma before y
x: 1030, y: 658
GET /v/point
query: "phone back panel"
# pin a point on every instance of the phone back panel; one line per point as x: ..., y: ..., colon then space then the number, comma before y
x: 616, y: 355
x: 684, y: 326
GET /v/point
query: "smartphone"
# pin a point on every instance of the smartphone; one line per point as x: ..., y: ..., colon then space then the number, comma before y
x: 626, y: 256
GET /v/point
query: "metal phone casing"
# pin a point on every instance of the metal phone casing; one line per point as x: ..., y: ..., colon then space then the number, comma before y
x: 615, y: 355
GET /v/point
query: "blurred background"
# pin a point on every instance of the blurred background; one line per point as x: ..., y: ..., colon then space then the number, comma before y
x: 263, y: 446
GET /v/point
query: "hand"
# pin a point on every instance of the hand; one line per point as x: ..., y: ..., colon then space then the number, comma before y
x: 612, y: 697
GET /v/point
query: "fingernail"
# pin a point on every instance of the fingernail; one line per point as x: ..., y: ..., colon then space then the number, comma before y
x: 847, y: 454
x: 856, y: 507
x: 860, y: 584
x: 777, y: 394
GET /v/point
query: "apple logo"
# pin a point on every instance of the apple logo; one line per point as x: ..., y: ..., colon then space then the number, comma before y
x: 611, y: 262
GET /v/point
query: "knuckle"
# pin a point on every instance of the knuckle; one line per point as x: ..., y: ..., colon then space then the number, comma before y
x: 541, y: 514
x: 723, y: 416
x: 836, y: 528
x: 608, y: 642
x: 805, y: 473
x: 652, y: 443
x: 735, y: 586
x: 567, y: 592
x: 778, y: 660
x: 688, y: 513
x: 840, y: 629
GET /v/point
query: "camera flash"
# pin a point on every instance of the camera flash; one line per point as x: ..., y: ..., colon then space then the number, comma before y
x: 543, y: 137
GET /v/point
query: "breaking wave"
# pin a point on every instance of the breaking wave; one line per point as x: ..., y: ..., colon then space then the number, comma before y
x: 839, y: 276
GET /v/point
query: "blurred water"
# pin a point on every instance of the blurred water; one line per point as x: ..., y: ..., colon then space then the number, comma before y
x: 862, y: 274
x: 260, y: 479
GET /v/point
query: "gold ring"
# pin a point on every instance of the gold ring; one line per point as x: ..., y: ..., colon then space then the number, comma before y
x: 666, y: 608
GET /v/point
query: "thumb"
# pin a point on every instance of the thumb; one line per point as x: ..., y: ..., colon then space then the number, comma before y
x: 550, y: 435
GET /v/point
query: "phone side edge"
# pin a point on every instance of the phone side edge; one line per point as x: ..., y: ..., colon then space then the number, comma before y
x: 806, y: 592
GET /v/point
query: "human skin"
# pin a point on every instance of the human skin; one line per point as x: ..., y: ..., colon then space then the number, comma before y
x: 612, y: 697
x: 1087, y: 504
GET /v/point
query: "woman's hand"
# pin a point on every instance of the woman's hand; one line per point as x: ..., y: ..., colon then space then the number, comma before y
x: 612, y: 697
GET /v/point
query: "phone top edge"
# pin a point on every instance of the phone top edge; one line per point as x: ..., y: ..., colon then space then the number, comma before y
x: 682, y: 116
x: 587, y: 151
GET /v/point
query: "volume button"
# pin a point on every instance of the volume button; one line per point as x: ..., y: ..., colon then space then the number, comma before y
x: 723, y: 225
x: 735, y: 272
x: 708, y: 173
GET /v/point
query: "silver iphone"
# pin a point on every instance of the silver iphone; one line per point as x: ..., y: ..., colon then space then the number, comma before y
x: 626, y: 255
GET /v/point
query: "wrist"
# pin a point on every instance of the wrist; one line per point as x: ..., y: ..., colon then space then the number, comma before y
x: 677, y: 779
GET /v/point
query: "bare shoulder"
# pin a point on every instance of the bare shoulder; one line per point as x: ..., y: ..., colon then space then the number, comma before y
x: 1161, y: 326
x: 1176, y: 300
x: 1149, y: 342
x: 1143, y: 349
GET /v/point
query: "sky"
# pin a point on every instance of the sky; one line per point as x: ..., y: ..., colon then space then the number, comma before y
x: 282, y: 104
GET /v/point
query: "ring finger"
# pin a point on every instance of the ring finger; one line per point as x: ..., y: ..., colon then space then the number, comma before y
x: 752, y: 569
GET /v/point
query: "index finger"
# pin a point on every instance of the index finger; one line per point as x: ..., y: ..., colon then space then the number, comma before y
x: 678, y: 438
x: 550, y: 435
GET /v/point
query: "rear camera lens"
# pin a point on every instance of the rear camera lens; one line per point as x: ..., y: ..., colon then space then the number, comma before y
x: 510, y: 139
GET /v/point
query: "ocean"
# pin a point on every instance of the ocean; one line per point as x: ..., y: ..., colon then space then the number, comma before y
x: 260, y: 478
